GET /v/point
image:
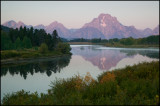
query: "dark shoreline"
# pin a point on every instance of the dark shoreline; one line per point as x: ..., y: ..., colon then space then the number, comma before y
x: 117, y: 46
x: 25, y: 60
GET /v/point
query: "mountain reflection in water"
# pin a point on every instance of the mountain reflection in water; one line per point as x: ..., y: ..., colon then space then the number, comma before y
x: 107, y: 57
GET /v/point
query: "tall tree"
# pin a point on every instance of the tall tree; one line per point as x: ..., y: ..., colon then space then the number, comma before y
x: 56, y: 38
x: 6, y: 42
x: 35, y: 38
x: 41, y: 34
x: 18, y: 44
x: 30, y: 34
x: 13, y: 34
x: 21, y: 34
x: 49, y: 42
x: 27, y: 42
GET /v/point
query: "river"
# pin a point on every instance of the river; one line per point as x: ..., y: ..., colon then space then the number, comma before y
x: 95, y: 59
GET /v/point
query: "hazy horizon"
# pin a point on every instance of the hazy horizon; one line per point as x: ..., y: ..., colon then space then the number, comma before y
x: 74, y: 14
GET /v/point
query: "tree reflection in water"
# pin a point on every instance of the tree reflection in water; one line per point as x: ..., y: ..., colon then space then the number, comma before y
x: 53, y: 65
x: 148, y: 53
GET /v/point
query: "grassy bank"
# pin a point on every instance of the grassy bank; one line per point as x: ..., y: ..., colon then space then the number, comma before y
x: 80, y: 43
x: 133, y: 85
x: 114, y: 45
x: 11, y: 55
x: 129, y: 46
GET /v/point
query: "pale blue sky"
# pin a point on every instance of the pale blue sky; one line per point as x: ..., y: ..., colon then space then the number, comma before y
x: 74, y: 14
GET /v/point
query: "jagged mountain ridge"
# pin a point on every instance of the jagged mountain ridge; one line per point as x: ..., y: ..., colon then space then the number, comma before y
x: 104, y: 26
x: 87, y: 33
x: 112, y: 28
x: 41, y: 26
x: 156, y: 30
x: 61, y: 29
x: 14, y: 25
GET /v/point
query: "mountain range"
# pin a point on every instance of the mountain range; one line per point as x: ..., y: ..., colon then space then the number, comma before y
x: 104, y: 26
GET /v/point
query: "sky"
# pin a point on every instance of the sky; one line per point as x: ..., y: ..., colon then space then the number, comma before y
x: 74, y: 14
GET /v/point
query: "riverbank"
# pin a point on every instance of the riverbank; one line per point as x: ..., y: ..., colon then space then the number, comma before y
x: 150, y: 41
x: 114, y: 45
x: 26, y: 60
x: 18, y: 56
x: 80, y: 43
x: 130, y: 46
x: 133, y: 85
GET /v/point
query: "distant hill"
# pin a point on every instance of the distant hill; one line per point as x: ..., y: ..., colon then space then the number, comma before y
x: 14, y: 25
x: 104, y: 26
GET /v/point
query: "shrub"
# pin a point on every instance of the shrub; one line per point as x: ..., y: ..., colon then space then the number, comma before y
x: 63, y: 48
x: 43, y: 48
x: 108, y: 77
x: 9, y: 54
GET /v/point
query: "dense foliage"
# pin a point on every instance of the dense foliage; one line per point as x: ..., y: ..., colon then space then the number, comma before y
x: 43, y: 48
x: 63, y: 47
x: 133, y: 85
x: 150, y: 40
x: 25, y: 38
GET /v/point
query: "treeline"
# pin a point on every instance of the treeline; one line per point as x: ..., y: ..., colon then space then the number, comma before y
x: 21, y: 38
x: 151, y: 40
x: 54, y: 65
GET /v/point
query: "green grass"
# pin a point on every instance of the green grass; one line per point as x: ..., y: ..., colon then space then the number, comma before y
x: 128, y: 46
x: 133, y: 85
x: 80, y: 43
x: 114, y: 44
x: 26, y: 53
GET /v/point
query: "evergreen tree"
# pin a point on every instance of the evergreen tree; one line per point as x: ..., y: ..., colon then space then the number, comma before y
x: 6, y: 42
x: 24, y: 31
x: 13, y: 34
x: 30, y: 34
x: 49, y: 42
x: 18, y: 44
x: 27, y: 43
x: 35, y: 38
x: 41, y: 34
x: 21, y: 34
x: 56, y: 38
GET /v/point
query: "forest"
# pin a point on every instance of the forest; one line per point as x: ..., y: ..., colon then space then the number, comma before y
x: 152, y: 40
x: 13, y: 40
x: 21, y: 38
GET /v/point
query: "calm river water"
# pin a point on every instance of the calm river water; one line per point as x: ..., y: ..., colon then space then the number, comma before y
x: 37, y: 75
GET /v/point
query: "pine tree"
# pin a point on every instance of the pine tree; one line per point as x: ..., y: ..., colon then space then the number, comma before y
x: 18, y: 44
x: 27, y: 43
